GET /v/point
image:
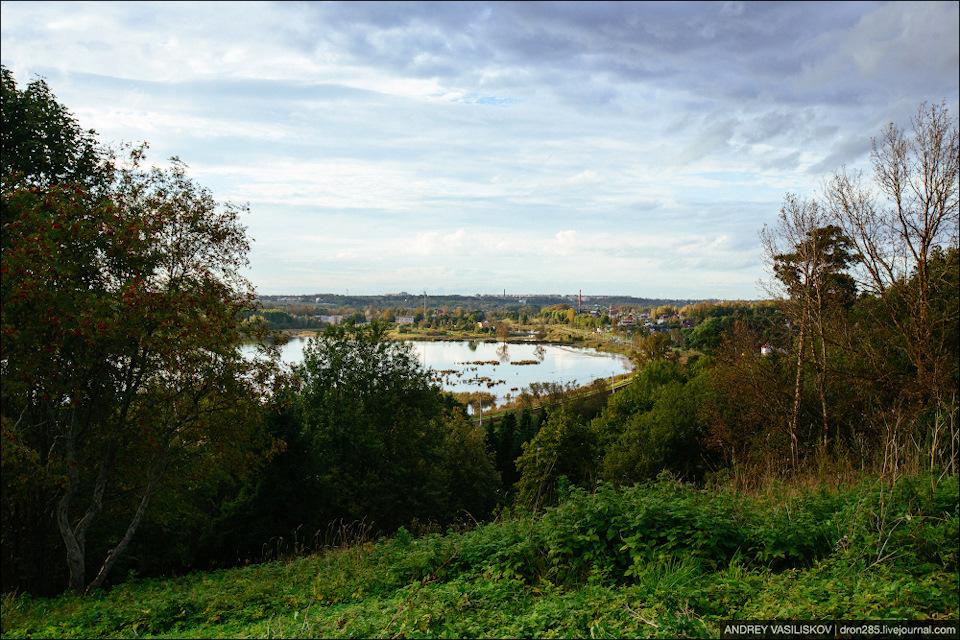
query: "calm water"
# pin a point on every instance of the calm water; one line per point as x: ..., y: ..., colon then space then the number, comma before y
x: 469, y: 366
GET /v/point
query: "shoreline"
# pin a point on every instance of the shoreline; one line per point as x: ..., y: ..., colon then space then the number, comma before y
x: 557, y: 335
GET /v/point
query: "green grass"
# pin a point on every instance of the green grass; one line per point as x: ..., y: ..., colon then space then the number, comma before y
x: 659, y: 560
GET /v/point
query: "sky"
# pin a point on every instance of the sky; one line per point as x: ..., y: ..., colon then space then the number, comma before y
x: 611, y: 148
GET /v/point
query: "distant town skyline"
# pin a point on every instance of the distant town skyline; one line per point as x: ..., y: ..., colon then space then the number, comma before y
x: 470, y: 147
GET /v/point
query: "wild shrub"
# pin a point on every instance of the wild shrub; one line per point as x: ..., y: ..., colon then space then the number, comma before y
x: 581, y: 534
x: 619, y: 532
x: 693, y: 558
x: 912, y: 523
x: 794, y: 532
x: 511, y: 549
x: 672, y: 519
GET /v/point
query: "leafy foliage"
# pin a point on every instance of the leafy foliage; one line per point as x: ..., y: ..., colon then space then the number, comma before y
x: 368, y: 438
x: 564, y: 447
x: 122, y: 310
x: 42, y: 142
x: 655, y: 560
x: 279, y: 319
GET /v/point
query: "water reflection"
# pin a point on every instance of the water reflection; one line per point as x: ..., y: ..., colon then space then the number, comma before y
x: 500, y: 369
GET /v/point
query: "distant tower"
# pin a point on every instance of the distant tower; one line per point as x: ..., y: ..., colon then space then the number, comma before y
x: 580, y: 302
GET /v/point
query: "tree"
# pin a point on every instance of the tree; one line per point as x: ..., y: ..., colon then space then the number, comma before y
x: 278, y: 500
x: 636, y: 398
x: 564, y: 446
x: 668, y: 310
x: 897, y: 219
x: 809, y: 259
x: 504, y: 439
x: 382, y: 434
x: 470, y: 482
x: 706, y: 336
x: 42, y: 142
x: 655, y: 346
x: 749, y: 408
x: 122, y: 323
x: 661, y: 431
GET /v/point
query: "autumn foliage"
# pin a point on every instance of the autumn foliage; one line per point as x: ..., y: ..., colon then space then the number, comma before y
x: 122, y: 320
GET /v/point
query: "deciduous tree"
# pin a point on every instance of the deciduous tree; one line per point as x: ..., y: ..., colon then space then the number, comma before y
x: 383, y: 435
x: 897, y: 218
x: 122, y: 326
x: 809, y: 259
x: 123, y: 311
x: 564, y: 446
x: 43, y: 143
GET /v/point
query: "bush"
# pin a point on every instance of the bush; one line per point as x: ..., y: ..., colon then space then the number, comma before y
x: 911, y: 523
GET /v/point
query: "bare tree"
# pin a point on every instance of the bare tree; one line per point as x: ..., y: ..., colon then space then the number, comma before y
x: 900, y: 220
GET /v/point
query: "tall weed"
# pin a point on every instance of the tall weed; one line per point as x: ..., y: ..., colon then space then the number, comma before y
x: 910, y: 523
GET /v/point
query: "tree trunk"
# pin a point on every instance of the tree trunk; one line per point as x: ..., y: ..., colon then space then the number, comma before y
x: 74, y: 544
x: 798, y: 392
x: 117, y: 551
x: 75, y: 538
x: 822, y: 366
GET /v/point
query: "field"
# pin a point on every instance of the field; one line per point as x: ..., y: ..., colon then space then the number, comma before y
x: 655, y: 560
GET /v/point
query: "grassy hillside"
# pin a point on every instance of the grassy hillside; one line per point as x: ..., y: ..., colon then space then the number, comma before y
x: 658, y: 560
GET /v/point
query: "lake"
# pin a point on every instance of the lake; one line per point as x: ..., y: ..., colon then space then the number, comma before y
x: 478, y: 366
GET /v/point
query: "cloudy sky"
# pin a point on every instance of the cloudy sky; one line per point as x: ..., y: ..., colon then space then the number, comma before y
x: 613, y: 148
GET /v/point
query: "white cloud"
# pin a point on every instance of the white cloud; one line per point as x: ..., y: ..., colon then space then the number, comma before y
x: 632, y: 147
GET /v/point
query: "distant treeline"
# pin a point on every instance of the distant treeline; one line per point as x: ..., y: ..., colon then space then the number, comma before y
x: 472, y: 303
